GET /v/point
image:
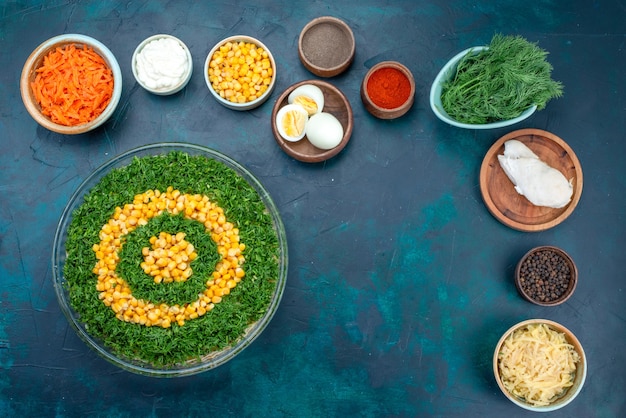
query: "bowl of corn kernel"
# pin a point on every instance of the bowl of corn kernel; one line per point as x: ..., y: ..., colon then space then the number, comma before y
x: 240, y: 72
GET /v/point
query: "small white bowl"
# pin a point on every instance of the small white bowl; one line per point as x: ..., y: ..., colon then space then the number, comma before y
x: 35, y: 60
x: 579, y: 379
x: 165, y: 90
x: 448, y: 72
x: 247, y: 105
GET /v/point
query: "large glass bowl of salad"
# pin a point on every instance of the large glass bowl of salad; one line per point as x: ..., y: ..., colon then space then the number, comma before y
x: 170, y: 259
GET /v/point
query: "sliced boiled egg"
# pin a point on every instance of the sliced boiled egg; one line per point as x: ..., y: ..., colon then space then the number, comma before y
x: 291, y: 121
x: 309, y: 96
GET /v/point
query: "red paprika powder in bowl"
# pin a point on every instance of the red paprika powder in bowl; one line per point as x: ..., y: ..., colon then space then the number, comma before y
x: 388, y: 90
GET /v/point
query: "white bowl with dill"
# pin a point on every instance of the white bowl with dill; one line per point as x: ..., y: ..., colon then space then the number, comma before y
x: 493, y: 86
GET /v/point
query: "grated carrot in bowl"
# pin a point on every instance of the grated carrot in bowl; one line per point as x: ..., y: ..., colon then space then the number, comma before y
x: 73, y: 86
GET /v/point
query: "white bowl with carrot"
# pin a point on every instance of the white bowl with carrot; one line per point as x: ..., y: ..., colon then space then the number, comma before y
x: 71, y: 84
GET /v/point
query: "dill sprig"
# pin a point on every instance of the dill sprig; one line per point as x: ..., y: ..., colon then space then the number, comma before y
x: 500, y: 82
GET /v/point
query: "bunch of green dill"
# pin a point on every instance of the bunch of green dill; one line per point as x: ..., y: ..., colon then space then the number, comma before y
x: 500, y: 82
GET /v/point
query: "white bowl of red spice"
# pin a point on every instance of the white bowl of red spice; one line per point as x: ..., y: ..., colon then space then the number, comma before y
x: 388, y: 90
x: 71, y: 84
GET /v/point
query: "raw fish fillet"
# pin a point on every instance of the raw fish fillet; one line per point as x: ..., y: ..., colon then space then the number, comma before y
x: 541, y: 184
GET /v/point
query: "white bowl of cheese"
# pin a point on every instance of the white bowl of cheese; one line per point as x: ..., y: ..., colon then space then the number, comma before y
x: 539, y: 365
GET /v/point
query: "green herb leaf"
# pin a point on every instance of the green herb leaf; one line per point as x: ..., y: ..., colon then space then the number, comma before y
x: 500, y: 83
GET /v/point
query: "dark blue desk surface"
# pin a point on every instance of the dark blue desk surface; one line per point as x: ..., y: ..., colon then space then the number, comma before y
x: 400, y: 281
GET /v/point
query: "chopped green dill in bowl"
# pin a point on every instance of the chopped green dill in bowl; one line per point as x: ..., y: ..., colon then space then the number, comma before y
x: 495, y: 85
x: 170, y: 259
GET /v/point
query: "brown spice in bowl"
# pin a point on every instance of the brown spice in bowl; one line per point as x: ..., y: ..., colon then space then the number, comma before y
x: 315, y: 46
x: 326, y: 46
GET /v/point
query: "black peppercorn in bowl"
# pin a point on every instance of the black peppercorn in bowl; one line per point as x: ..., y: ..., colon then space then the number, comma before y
x: 546, y: 276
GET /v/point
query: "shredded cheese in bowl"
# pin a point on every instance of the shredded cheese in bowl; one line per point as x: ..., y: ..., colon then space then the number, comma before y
x: 537, y: 364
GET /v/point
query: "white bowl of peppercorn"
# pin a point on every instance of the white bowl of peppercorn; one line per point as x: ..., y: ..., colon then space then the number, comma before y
x: 546, y: 276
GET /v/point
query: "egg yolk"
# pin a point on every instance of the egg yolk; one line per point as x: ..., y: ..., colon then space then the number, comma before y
x: 293, y: 123
x: 307, y: 103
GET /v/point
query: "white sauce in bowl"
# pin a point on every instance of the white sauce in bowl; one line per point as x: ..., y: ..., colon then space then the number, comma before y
x: 162, y: 64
